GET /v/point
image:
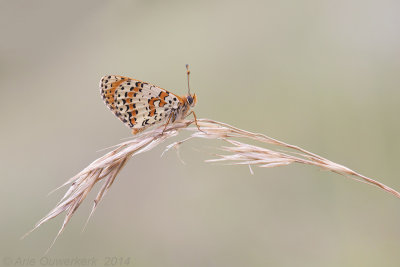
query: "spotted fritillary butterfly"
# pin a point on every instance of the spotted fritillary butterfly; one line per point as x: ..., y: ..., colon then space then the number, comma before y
x: 140, y: 105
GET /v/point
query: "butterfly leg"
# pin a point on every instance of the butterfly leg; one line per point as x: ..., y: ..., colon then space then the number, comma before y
x: 195, y: 120
x: 169, y: 119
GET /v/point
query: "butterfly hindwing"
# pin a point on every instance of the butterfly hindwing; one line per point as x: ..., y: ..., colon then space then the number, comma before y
x: 137, y: 104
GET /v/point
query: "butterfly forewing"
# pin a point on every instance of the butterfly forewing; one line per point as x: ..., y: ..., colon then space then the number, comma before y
x: 137, y: 104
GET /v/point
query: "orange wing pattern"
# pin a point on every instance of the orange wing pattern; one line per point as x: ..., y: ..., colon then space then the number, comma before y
x: 139, y: 104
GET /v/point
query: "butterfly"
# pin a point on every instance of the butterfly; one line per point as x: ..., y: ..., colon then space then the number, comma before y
x: 140, y: 105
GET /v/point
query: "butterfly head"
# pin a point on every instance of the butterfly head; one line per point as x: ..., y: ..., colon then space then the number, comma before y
x: 192, y: 100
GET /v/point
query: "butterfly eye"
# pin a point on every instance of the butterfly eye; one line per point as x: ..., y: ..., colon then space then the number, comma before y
x: 190, y: 99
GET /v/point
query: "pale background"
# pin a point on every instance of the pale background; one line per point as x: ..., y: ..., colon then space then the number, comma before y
x: 323, y: 75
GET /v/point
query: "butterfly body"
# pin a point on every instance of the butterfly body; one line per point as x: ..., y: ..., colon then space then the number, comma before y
x: 140, y: 105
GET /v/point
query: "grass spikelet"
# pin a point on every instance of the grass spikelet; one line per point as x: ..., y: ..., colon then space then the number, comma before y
x: 106, y: 168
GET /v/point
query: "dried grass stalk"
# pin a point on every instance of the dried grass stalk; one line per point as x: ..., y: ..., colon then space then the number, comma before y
x: 107, y: 167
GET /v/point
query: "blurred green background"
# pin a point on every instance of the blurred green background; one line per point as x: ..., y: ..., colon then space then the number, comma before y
x: 323, y: 75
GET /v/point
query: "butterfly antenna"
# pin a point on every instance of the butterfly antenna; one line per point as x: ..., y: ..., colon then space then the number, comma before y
x: 188, y: 73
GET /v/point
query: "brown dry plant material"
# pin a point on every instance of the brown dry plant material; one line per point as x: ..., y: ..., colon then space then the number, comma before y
x: 107, y: 167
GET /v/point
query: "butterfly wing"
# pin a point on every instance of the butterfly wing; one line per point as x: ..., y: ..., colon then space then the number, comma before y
x: 137, y: 104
